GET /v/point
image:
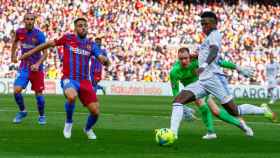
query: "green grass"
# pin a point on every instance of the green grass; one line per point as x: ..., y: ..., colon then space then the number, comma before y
x: 125, y: 130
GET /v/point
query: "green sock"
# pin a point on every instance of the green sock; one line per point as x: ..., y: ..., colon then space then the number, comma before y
x: 225, y: 116
x: 207, y: 118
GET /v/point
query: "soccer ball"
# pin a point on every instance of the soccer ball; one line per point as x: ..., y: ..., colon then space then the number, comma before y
x: 165, y: 136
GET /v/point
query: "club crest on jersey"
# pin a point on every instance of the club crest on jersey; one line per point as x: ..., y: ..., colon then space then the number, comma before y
x: 88, y: 47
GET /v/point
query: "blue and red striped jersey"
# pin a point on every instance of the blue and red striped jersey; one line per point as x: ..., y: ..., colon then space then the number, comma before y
x: 76, y: 56
x: 29, y: 40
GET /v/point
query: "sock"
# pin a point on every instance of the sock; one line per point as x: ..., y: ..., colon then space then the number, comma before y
x: 19, y: 101
x: 91, y: 121
x: 176, y: 117
x: 225, y: 116
x: 69, y: 108
x: 41, y: 104
x: 244, y: 109
x: 207, y: 118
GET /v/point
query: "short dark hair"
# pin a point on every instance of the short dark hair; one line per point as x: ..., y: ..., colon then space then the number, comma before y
x: 79, y: 19
x: 183, y: 50
x: 209, y: 14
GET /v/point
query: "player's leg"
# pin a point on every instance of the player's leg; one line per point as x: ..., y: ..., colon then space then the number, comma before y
x: 264, y: 109
x: 71, y: 92
x: 190, y: 94
x: 207, y: 118
x: 20, y: 83
x: 218, y: 87
x: 89, y: 99
x: 92, y: 119
x: 37, y: 81
x: 226, y: 117
x: 222, y: 114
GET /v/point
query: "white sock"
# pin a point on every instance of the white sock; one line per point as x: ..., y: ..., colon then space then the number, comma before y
x: 244, y: 109
x: 176, y: 117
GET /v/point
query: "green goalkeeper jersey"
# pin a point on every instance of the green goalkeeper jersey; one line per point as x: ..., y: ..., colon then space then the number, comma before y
x: 188, y: 75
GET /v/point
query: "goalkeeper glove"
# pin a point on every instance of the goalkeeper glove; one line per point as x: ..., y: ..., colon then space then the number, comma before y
x: 246, y: 71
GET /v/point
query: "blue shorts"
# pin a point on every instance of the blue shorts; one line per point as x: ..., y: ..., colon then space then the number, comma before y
x: 35, y: 77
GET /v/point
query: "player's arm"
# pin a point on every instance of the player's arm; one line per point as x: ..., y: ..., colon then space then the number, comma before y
x: 14, y: 48
x: 102, y: 58
x: 38, y: 49
x: 174, y: 82
x: 213, y: 49
x: 41, y: 39
x: 245, y: 71
x: 227, y: 64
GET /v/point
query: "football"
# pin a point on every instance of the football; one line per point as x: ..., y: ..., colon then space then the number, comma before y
x: 165, y: 137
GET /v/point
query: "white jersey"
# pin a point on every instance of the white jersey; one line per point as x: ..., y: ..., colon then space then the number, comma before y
x: 272, y: 70
x: 214, y: 38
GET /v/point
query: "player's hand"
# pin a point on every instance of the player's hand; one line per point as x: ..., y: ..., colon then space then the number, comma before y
x: 34, y: 67
x: 246, y: 71
x: 25, y: 55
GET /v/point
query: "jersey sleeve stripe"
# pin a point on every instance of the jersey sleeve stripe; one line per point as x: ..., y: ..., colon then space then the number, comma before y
x: 77, y: 66
x: 71, y: 62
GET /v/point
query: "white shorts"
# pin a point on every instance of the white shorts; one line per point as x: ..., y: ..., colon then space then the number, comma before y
x: 216, y: 85
x: 272, y: 83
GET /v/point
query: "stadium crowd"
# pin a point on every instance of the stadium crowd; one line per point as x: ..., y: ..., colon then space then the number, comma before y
x: 131, y: 30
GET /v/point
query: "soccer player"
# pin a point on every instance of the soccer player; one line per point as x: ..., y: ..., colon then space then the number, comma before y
x: 75, y: 82
x: 211, y: 78
x: 184, y: 71
x: 96, y: 69
x: 272, y: 70
x: 30, y: 69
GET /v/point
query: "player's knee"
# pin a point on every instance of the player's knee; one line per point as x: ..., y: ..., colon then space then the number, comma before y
x: 71, y: 98
x: 232, y: 110
x: 184, y: 97
x: 94, y: 108
x: 17, y: 90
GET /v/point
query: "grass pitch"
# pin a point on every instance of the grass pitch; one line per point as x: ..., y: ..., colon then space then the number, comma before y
x: 126, y: 130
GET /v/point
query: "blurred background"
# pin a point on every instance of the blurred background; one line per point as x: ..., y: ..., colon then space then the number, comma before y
x: 131, y: 29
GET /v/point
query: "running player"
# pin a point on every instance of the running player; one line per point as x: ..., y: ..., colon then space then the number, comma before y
x: 272, y: 70
x: 30, y: 69
x: 75, y: 82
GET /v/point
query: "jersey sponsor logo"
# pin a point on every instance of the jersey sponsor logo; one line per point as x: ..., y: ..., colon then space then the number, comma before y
x: 80, y: 51
x: 27, y: 46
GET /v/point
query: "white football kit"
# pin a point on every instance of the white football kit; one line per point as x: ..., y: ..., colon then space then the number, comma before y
x: 212, y: 80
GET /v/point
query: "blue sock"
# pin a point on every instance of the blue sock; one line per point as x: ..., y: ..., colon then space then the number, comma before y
x: 19, y: 101
x: 69, y: 108
x: 41, y: 104
x: 91, y: 121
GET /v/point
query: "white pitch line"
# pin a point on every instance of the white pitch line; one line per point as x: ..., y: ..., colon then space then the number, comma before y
x: 155, y: 116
